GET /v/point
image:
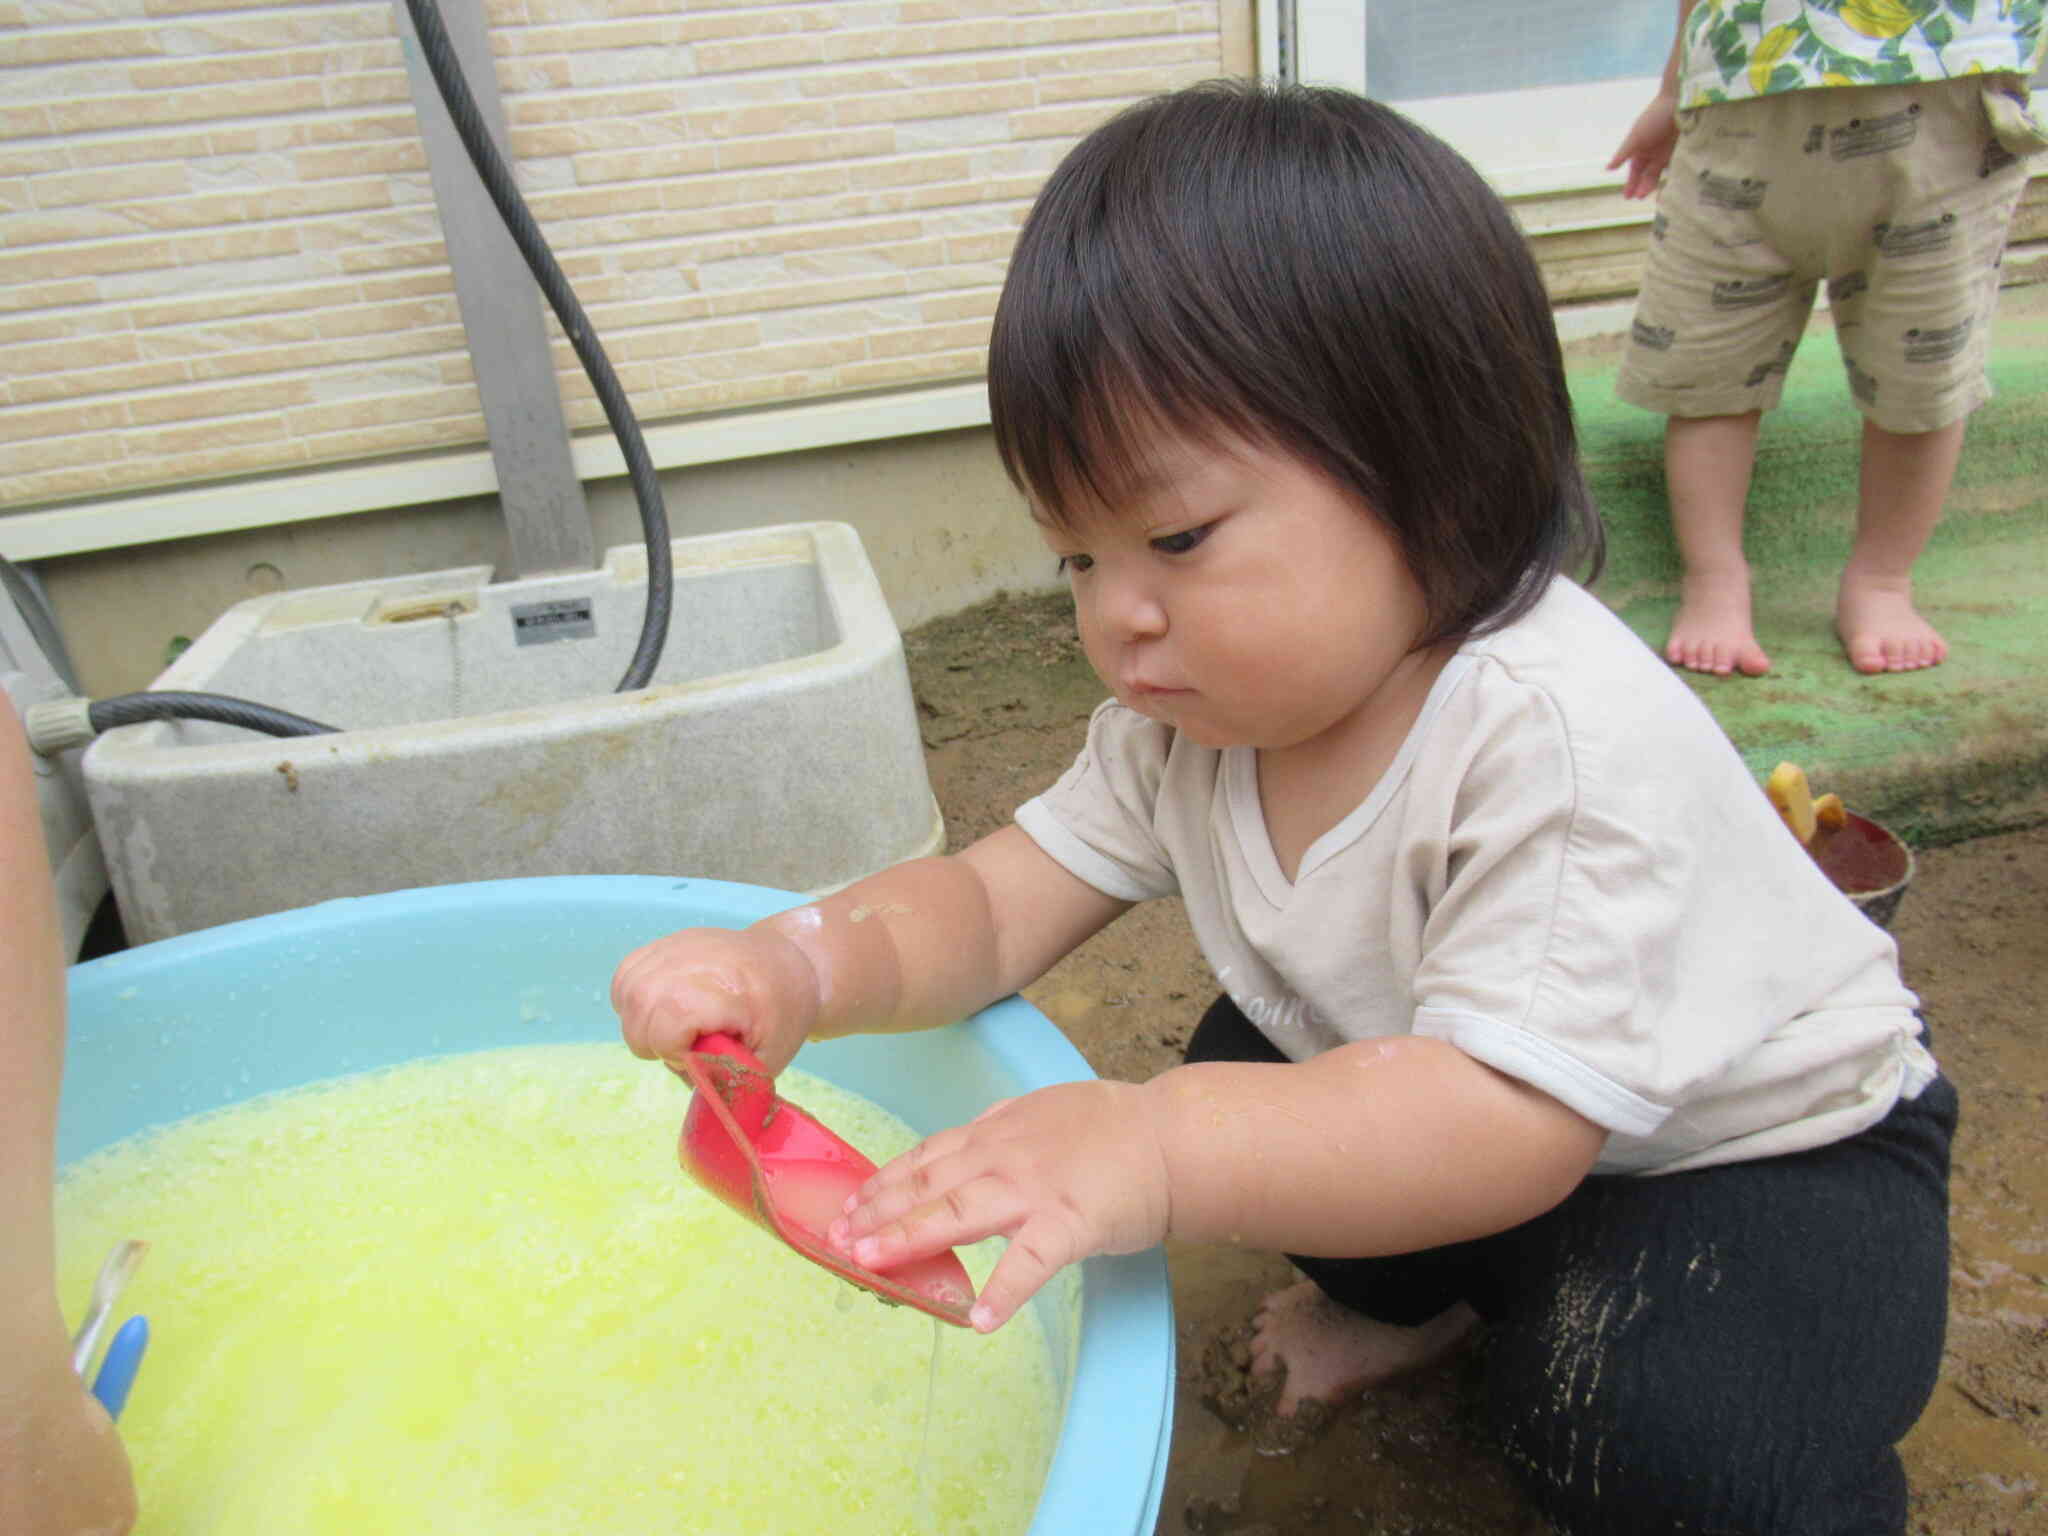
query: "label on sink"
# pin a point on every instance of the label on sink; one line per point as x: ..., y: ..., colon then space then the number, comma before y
x: 561, y: 618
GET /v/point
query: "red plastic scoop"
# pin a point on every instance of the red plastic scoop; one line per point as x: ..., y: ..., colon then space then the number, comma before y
x: 776, y: 1165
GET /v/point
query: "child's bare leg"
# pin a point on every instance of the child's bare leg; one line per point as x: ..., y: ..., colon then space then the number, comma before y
x: 1904, y: 480
x: 1707, y: 463
x: 1333, y: 1354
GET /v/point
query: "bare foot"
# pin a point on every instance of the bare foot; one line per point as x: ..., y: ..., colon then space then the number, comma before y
x: 1332, y: 1355
x: 1712, y: 632
x: 1881, y: 629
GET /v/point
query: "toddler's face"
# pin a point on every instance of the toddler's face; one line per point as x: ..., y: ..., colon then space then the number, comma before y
x: 1240, y: 595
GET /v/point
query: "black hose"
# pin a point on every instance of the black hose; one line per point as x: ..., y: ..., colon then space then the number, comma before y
x: 42, y: 624
x: 135, y: 708
x: 497, y: 180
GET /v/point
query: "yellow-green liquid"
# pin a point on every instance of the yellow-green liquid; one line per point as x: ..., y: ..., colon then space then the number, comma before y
x: 476, y: 1294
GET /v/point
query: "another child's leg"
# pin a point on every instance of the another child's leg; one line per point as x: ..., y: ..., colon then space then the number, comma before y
x: 1905, y: 477
x: 1738, y: 1348
x: 1707, y: 464
x: 1914, y: 328
x: 1726, y: 295
x: 1354, y: 1323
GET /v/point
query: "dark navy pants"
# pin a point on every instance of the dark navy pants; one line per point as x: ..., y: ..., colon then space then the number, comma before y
x: 1735, y: 1350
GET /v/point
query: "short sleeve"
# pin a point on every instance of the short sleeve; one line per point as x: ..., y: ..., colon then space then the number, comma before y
x: 1100, y: 820
x: 1547, y: 952
x: 1623, y: 922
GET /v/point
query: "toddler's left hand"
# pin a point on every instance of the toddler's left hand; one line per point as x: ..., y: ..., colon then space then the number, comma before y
x: 1063, y: 1173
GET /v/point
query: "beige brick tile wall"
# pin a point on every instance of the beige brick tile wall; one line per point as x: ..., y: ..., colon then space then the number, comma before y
x: 219, y: 252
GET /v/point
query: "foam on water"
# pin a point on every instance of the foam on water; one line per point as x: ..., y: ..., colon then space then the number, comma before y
x: 474, y: 1294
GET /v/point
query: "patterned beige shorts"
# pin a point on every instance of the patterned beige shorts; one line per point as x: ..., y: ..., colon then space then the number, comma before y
x: 1898, y: 197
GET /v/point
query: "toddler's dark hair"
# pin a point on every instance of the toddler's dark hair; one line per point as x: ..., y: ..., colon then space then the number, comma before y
x: 1310, y: 271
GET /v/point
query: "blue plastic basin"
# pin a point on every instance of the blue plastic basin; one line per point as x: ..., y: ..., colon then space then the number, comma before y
x: 187, y: 1024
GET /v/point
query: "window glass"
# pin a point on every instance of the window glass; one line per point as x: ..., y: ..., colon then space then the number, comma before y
x: 1418, y: 49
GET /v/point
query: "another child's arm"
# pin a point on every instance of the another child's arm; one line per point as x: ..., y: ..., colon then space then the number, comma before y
x: 1377, y: 1147
x: 1647, y: 146
x: 920, y: 944
x: 62, y: 1468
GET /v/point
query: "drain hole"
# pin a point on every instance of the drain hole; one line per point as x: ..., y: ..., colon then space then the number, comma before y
x: 424, y: 608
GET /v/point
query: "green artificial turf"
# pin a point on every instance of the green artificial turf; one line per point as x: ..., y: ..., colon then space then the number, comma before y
x: 1951, y: 752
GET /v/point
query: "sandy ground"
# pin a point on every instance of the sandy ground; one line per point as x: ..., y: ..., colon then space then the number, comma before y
x: 1004, y: 696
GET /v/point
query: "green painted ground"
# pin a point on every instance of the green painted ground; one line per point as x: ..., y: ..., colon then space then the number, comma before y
x: 1953, y: 752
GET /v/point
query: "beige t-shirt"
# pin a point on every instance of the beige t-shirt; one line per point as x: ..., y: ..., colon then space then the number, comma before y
x: 1567, y: 872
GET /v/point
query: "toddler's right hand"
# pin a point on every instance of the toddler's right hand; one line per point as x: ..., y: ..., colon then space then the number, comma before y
x: 754, y: 984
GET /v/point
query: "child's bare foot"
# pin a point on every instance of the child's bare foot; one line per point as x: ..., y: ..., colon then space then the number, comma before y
x: 1881, y: 629
x: 1331, y: 1355
x: 1712, y: 632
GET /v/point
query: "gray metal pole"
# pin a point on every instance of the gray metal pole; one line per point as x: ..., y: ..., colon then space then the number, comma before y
x: 542, y: 498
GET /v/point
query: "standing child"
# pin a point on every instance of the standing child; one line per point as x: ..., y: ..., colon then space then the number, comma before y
x: 1872, y: 146
x: 1533, y: 1012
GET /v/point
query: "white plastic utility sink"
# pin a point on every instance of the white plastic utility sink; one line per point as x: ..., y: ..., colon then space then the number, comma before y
x: 777, y: 744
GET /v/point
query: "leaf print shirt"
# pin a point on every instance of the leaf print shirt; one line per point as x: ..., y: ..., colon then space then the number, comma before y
x: 1741, y: 48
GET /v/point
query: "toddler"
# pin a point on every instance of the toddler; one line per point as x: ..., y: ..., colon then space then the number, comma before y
x: 1533, y: 1014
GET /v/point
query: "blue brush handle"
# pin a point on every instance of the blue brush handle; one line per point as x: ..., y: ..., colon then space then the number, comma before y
x: 117, y: 1370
